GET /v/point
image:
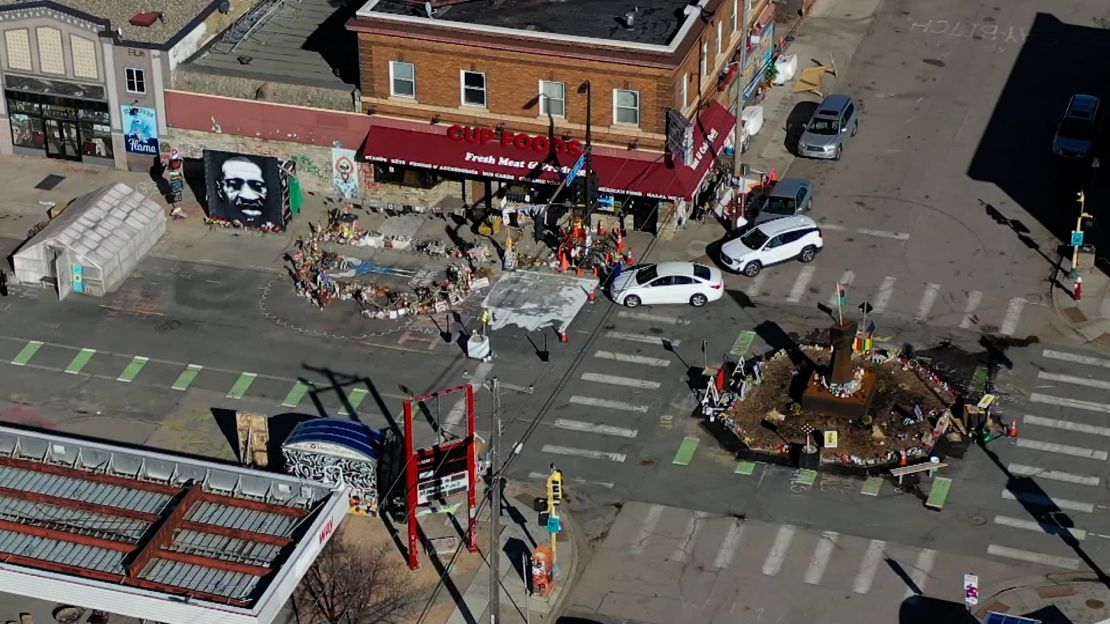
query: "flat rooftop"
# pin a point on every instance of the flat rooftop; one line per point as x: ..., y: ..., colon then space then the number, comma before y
x: 115, y: 525
x: 176, y: 15
x: 655, y: 22
x: 301, y: 42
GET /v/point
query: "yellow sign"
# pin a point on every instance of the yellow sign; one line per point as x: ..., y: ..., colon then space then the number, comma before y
x: 830, y: 439
x: 986, y: 401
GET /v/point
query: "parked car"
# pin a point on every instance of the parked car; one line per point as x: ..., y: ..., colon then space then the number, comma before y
x: 1075, y: 134
x: 667, y: 282
x: 788, y: 198
x: 824, y: 135
x: 772, y: 242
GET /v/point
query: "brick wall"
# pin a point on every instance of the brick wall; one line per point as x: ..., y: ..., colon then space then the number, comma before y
x: 263, y: 90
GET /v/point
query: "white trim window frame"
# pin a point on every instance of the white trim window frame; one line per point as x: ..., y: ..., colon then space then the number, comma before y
x: 704, y: 59
x: 720, y: 38
x: 549, y: 103
x: 394, y: 79
x: 631, y: 111
x: 735, y: 14
x: 685, y: 90
x: 134, y: 79
x: 472, y: 89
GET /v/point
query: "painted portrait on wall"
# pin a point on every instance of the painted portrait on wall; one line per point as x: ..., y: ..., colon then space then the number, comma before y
x: 243, y: 189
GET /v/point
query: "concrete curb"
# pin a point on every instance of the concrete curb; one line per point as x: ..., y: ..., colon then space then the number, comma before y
x: 1061, y: 302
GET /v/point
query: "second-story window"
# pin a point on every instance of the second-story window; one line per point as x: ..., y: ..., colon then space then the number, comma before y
x: 626, y: 107
x: 553, y: 98
x: 136, y: 80
x: 402, y: 79
x: 705, y: 59
x: 720, y: 38
x: 474, y: 88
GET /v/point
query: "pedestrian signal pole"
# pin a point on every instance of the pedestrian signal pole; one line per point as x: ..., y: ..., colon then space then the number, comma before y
x: 554, y: 496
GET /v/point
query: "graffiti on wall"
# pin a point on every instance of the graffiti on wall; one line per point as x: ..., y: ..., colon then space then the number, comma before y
x: 307, y: 167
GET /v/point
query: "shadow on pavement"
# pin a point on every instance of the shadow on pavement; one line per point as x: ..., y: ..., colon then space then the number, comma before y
x: 798, y: 116
x: 924, y: 610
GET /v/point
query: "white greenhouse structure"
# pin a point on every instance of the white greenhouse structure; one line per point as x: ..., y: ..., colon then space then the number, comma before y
x: 94, y: 244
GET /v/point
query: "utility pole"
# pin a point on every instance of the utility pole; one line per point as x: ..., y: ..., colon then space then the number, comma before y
x: 589, y: 167
x: 495, y: 507
x: 737, y: 106
x: 1077, y: 242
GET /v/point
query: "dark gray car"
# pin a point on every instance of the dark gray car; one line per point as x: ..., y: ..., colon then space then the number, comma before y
x: 790, y: 197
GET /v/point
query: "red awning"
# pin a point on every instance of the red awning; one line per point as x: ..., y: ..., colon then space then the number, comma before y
x: 626, y: 172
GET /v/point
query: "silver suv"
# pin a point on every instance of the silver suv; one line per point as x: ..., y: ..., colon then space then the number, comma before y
x: 823, y: 136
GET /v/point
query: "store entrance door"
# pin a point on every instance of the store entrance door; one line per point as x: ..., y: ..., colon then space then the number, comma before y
x: 61, y: 140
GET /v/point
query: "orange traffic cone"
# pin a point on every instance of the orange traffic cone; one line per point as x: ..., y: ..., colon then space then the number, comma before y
x: 1013, y: 429
x: 579, y: 272
x: 600, y: 229
x: 628, y: 261
x: 562, y: 331
x: 721, y: 379
x: 592, y: 295
x: 597, y: 271
x: 564, y: 264
x: 773, y: 177
x: 902, y: 460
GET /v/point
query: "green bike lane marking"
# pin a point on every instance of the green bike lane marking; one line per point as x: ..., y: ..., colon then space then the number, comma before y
x: 296, y: 394
x: 686, y: 451
x: 745, y: 468
x: 872, y: 486
x: 29, y: 350
x: 80, y: 360
x: 185, y: 379
x: 938, y: 493
x: 354, y: 399
x: 132, y: 370
x: 743, y: 343
x: 241, y: 385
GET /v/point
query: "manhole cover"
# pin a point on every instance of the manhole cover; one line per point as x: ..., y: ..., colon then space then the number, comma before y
x: 1094, y: 603
x: 647, y: 461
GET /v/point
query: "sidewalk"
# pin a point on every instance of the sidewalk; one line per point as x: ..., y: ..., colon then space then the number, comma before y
x: 1075, y: 598
x: 1090, y: 316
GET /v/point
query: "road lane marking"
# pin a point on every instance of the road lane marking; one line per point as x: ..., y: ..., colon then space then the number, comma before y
x: 80, y: 360
x: 1036, y: 527
x: 1062, y: 449
x: 628, y: 358
x: 458, y: 410
x: 1066, y: 425
x: 685, y: 545
x: 882, y: 297
x: 615, y: 380
x: 821, y: 555
x: 554, y: 449
x: 654, y: 318
x: 241, y: 385
x: 1028, y: 556
x: 607, y: 404
x: 755, y: 287
x: 1022, y: 470
x: 29, y: 350
x: 641, y: 338
x: 296, y: 394
x: 651, y: 518
x: 354, y: 399
x: 587, y: 427
x: 577, y: 480
x: 974, y: 298
x: 185, y: 379
x: 1075, y: 357
x: 928, y: 298
x: 884, y: 234
x: 745, y: 468
x: 729, y: 546
x: 1037, y: 397
x: 1044, y: 500
x: 869, y: 566
x: 686, y: 451
x: 1013, y: 316
x: 921, y: 569
x: 798, y: 290
x: 846, y: 280
x: 773, y: 564
x: 132, y: 371
x: 1073, y: 379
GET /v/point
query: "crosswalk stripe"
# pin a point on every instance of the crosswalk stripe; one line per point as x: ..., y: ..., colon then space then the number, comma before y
x: 1037, y: 397
x: 685, y: 545
x: 1043, y: 500
x: 354, y: 399
x: 1062, y: 449
x: 241, y: 385
x: 1052, y: 354
x: 928, y: 298
x: 1028, y: 556
x: 132, y: 371
x: 821, y: 555
x: 773, y: 564
x: 755, y: 287
x: 1074, y: 379
x: 642, y: 338
x: 554, y: 449
x: 542, y: 476
x: 1013, y: 316
x: 729, y: 546
x: 652, y: 317
x: 628, y: 358
x: 607, y: 404
x: 186, y: 378
x: 882, y: 296
x: 587, y: 427
x: 1022, y: 470
x: 974, y: 298
x: 870, y: 565
x: 1036, y: 527
x: 1066, y: 425
x: 80, y: 360
x: 455, y: 415
x: 798, y: 290
x: 27, y: 352
x: 921, y: 569
x: 627, y: 382
x: 651, y: 518
x: 846, y: 279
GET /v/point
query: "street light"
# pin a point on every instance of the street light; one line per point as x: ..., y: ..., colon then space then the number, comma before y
x: 589, y: 169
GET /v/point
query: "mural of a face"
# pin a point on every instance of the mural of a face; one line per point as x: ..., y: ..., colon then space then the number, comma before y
x: 241, y: 185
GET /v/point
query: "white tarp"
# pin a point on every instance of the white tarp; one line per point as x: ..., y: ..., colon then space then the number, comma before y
x: 535, y: 300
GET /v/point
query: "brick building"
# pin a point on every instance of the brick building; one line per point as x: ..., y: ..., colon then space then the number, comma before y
x: 494, y: 95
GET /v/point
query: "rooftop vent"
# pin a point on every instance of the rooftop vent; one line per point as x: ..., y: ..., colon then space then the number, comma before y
x: 145, y: 19
x: 630, y: 18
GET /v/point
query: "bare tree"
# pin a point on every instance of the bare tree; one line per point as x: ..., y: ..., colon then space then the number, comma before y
x: 352, y: 584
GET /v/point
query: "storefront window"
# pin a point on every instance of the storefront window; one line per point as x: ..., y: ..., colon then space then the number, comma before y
x: 27, y: 130
x: 20, y: 106
x: 59, y: 112
x: 96, y: 139
x: 101, y: 117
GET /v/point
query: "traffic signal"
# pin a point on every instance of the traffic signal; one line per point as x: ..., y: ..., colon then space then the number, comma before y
x: 584, y: 189
x: 555, y: 487
x: 1086, y: 223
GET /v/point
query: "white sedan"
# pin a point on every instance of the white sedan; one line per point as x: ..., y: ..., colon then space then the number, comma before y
x: 667, y: 282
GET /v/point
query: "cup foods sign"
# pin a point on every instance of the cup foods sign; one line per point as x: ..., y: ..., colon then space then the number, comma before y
x: 526, y: 148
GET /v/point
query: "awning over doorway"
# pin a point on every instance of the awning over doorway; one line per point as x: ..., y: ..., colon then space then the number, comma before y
x: 469, y: 151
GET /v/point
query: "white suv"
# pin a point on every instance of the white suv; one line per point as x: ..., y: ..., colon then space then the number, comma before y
x: 772, y: 242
